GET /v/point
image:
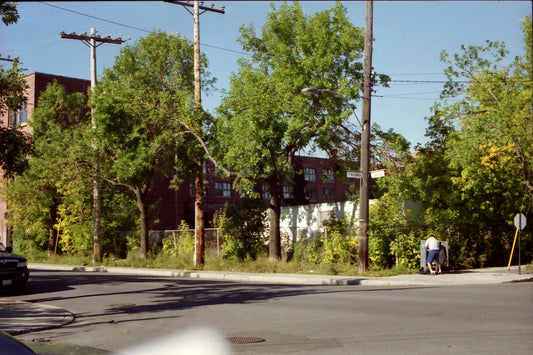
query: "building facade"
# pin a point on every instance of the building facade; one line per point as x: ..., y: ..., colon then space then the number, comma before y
x: 314, y: 182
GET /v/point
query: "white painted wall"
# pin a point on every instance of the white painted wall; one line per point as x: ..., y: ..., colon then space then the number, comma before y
x: 306, y: 220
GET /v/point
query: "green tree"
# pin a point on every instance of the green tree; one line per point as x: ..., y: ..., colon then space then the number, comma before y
x: 58, y: 124
x: 492, y: 150
x: 242, y: 226
x: 141, y: 106
x: 475, y: 173
x: 264, y: 120
x: 14, y: 144
x: 8, y: 12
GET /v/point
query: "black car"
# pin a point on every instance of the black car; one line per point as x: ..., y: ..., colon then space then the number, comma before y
x: 13, y: 270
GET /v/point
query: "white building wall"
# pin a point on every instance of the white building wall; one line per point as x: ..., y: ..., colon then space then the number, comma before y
x: 306, y: 221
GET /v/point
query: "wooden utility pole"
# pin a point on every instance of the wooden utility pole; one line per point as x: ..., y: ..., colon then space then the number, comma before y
x: 365, y: 142
x: 199, y: 231
x: 93, y: 41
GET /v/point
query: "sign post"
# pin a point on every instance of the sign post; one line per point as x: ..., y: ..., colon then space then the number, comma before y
x: 520, y: 223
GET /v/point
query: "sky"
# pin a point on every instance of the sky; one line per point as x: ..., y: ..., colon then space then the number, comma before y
x: 409, y: 37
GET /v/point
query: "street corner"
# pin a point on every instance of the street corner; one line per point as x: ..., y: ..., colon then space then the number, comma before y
x: 19, y: 317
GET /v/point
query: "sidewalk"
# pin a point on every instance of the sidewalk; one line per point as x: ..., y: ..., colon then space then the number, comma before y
x: 467, y: 277
x: 22, y: 317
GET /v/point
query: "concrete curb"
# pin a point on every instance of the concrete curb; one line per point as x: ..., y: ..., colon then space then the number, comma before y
x: 21, y: 317
x: 467, y: 277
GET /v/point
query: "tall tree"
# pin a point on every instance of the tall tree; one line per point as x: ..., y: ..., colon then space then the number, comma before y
x: 140, y: 105
x: 496, y: 102
x: 264, y: 120
x: 59, y: 123
x: 475, y: 173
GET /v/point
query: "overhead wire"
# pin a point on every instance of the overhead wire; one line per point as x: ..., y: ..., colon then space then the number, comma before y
x: 399, y: 82
x: 132, y: 27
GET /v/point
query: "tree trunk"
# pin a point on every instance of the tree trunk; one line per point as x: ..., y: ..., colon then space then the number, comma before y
x: 141, y: 205
x: 274, y: 254
x: 52, y: 232
x: 199, y: 228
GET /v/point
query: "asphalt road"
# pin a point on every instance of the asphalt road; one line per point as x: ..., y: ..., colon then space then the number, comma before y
x: 118, y: 312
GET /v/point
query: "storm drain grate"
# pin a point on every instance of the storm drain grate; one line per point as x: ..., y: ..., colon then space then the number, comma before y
x: 122, y: 305
x: 245, y: 340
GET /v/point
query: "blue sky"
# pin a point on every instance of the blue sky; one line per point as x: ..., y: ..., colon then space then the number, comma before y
x: 409, y: 37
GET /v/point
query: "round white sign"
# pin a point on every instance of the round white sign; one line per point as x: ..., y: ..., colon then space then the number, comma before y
x: 520, y: 221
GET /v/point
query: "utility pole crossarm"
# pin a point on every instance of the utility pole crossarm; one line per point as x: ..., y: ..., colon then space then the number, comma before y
x: 86, y: 37
x: 9, y: 59
x: 201, y: 7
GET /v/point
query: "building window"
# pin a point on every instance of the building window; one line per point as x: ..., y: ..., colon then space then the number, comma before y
x: 329, y: 195
x: 266, y: 192
x: 192, y: 189
x: 288, y: 192
x: 309, y: 174
x: 19, y: 117
x: 310, y: 193
x: 223, y: 189
x: 327, y: 176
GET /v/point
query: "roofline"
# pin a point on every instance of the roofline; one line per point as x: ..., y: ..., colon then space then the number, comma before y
x: 58, y: 76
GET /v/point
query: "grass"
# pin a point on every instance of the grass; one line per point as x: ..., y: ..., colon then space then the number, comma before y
x: 218, y: 263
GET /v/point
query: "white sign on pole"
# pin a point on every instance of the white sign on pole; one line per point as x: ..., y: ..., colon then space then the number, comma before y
x: 520, y: 221
x: 377, y: 173
x: 353, y: 174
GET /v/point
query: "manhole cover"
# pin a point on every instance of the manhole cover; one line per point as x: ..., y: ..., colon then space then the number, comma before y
x: 122, y: 305
x: 245, y: 340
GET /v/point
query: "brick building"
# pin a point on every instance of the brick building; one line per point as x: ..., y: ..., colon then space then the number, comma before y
x: 314, y: 182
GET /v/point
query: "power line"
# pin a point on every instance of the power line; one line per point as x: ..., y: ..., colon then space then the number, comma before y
x: 95, y: 17
x: 133, y: 27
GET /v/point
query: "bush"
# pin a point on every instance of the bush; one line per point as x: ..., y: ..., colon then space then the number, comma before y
x: 407, y: 249
x: 242, y: 227
x: 337, y: 246
x: 182, y: 244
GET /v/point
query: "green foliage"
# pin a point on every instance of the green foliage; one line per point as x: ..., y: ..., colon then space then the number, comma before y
x: 15, y: 146
x: 242, y: 228
x: 387, y: 219
x: 9, y: 12
x: 336, y: 246
x: 12, y: 86
x: 306, y: 251
x: 54, y: 175
x: 181, y: 244
x: 339, y: 248
x: 264, y: 119
x: 144, y: 112
x: 53, y: 198
x: 406, y: 248
x: 475, y: 172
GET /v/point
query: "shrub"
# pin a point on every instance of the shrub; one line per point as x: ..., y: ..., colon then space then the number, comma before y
x: 242, y: 227
x: 407, y: 249
x: 181, y: 244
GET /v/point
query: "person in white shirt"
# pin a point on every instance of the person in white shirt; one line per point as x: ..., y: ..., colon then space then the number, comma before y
x: 433, y: 245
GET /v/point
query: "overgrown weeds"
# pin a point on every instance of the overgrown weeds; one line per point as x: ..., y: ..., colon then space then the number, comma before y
x: 261, y: 264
